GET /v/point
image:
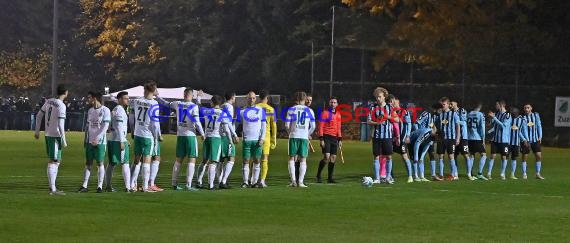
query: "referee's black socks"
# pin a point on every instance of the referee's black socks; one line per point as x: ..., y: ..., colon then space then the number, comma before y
x: 331, y: 170
x: 321, y: 167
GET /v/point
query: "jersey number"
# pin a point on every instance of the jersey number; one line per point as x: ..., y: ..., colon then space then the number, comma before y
x: 301, y: 115
x: 49, y: 115
x: 143, y: 114
x: 211, y: 124
x: 472, y: 122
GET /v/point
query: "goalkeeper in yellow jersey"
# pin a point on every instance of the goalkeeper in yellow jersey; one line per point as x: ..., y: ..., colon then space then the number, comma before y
x: 270, y: 134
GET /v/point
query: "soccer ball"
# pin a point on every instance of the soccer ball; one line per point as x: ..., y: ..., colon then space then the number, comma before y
x: 367, y: 181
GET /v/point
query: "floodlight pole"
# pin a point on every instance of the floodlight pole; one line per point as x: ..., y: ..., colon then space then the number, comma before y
x: 54, y: 48
x: 332, y: 55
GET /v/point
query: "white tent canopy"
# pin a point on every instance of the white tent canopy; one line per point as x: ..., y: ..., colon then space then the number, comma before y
x: 167, y: 93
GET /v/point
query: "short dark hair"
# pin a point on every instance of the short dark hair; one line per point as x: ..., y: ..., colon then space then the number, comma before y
x: 150, y: 86
x: 299, y: 96
x: 188, y: 90
x: 61, y: 89
x: 436, y: 106
x: 97, y: 95
x: 333, y: 98
x: 121, y: 94
x: 217, y: 100
x: 444, y: 99
x: 390, y: 97
x: 229, y: 95
x: 263, y: 94
x: 478, y: 104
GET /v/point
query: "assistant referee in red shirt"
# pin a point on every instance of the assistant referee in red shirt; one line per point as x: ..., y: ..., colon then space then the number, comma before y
x: 331, y: 138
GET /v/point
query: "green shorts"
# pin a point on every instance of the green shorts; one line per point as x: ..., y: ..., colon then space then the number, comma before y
x: 298, y: 146
x: 186, y: 146
x: 143, y: 146
x: 95, y: 153
x: 251, y: 148
x: 53, y: 147
x: 228, y: 149
x: 213, y: 149
x: 116, y: 155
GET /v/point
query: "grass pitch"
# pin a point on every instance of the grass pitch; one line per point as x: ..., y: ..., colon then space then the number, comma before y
x: 466, y: 211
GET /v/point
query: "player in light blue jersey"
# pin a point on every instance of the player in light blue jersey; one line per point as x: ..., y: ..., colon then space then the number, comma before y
x: 518, y: 140
x: 420, y: 142
x: 426, y: 120
x: 447, y: 124
x: 463, y: 143
x: 501, y: 124
x: 476, y: 137
x: 534, y: 135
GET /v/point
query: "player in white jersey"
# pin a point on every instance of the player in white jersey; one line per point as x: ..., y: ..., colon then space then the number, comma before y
x: 98, y: 119
x: 54, y: 111
x: 217, y: 123
x: 300, y: 124
x: 253, y: 121
x: 145, y: 133
x: 118, y: 146
x: 188, y: 125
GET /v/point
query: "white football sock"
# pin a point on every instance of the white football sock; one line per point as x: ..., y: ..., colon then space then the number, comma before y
x: 175, y: 170
x: 227, y: 171
x: 201, y: 171
x: 135, y: 174
x: 153, y: 172
x: 212, y: 174
x: 127, y: 176
x: 256, y: 170
x: 86, y: 175
x: 146, y: 175
x: 220, y: 172
x: 101, y: 175
x: 245, y: 170
x: 292, y: 171
x: 52, y: 174
x: 190, y: 174
x: 303, y: 170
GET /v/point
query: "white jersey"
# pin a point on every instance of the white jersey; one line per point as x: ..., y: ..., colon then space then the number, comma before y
x: 54, y: 110
x: 228, y: 108
x: 216, y: 122
x: 300, y: 122
x: 118, y: 126
x: 144, y: 127
x: 253, y: 120
x: 187, y: 118
x: 97, y: 124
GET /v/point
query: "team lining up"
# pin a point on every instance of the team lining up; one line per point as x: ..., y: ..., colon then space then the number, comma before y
x: 446, y: 126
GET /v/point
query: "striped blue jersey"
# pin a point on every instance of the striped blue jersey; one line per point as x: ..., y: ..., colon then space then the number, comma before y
x: 381, y: 114
x: 405, y: 123
x: 502, y: 126
x: 426, y: 120
x: 534, y: 127
x: 446, y: 123
x: 475, y: 126
x: 517, y: 131
x: 462, y: 114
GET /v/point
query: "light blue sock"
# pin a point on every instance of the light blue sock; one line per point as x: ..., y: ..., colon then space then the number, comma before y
x: 523, y: 164
x: 538, y: 166
x: 422, y: 168
x: 470, y: 165
x: 388, y: 168
x: 441, y: 166
x: 453, y: 167
x: 376, y: 169
x: 432, y: 163
x: 482, y: 164
x: 409, y: 167
x: 416, y: 170
x: 513, y: 167
x: 503, y: 166
x: 491, y: 163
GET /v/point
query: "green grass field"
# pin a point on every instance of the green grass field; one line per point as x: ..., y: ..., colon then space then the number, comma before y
x: 466, y: 211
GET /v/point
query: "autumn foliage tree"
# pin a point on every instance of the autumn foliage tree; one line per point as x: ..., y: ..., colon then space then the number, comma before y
x: 24, y: 68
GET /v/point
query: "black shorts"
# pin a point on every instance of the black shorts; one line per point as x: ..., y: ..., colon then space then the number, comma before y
x: 431, y: 149
x: 382, y: 146
x: 534, y: 146
x: 476, y: 146
x: 463, y: 147
x: 514, y: 151
x: 447, y: 146
x: 331, y: 144
x: 402, y: 149
x: 500, y: 148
